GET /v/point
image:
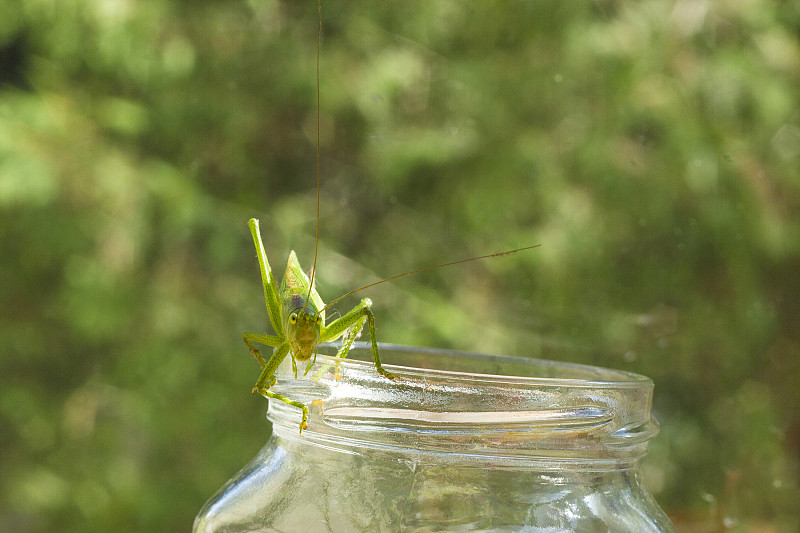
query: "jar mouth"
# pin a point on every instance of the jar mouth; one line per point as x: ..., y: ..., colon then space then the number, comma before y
x: 413, y: 360
x: 467, y: 406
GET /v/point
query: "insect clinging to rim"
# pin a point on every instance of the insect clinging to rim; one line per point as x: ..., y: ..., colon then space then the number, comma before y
x: 297, y: 313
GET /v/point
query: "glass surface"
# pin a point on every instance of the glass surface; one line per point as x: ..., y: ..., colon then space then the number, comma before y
x: 460, y: 442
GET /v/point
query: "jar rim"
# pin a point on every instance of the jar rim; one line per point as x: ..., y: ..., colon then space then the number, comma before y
x: 500, y: 413
x: 571, y: 374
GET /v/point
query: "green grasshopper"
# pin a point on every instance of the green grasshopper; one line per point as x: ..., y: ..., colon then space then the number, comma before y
x: 297, y: 313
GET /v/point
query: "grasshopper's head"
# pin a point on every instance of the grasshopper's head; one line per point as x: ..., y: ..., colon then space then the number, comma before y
x: 302, y: 330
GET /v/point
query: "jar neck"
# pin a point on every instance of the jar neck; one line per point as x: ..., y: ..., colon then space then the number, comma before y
x: 455, y: 407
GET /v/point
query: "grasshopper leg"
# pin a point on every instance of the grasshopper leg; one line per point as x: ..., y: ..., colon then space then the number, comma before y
x: 268, y: 340
x: 354, y: 321
x: 303, y: 407
x: 376, y: 357
x: 267, y: 379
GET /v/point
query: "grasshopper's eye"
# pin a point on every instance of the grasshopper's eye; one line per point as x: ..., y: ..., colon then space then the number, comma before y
x: 319, y: 320
x: 293, y: 318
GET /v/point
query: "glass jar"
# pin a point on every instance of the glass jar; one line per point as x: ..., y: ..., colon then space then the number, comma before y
x: 461, y: 442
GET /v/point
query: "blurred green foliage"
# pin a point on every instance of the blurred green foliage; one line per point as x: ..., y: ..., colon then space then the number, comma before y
x: 651, y: 147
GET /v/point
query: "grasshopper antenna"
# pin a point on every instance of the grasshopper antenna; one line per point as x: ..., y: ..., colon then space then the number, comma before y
x: 316, y: 233
x: 498, y: 254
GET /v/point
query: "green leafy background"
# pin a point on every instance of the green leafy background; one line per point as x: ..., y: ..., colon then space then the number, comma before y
x: 651, y: 147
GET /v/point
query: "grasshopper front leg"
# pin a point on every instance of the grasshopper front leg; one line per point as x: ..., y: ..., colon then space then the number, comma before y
x: 267, y: 378
x: 355, y: 319
x: 268, y: 340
